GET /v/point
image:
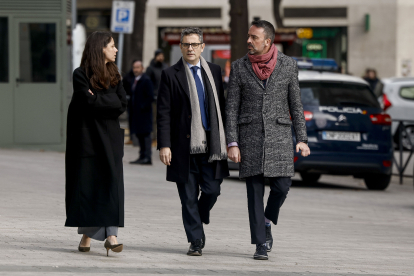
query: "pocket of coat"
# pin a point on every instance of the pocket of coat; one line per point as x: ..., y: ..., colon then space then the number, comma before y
x: 284, y: 121
x: 86, y: 143
x: 245, y: 120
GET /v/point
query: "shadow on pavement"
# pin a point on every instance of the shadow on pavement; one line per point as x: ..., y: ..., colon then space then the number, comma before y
x: 317, y: 185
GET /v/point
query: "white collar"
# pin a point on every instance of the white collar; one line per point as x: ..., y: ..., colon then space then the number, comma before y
x: 198, y: 64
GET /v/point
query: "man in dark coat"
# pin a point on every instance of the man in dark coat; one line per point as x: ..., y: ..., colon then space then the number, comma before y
x: 263, y: 93
x: 191, y: 136
x: 154, y: 72
x: 139, y: 88
x: 94, y: 151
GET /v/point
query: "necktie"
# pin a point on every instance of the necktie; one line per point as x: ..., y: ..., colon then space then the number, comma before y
x: 134, y: 85
x: 201, y: 99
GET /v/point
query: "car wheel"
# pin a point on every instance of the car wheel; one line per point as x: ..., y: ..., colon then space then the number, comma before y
x: 407, y: 134
x: 310, y: 177
x: 377, y: 181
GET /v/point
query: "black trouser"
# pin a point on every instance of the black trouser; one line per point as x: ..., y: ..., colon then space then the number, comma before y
x: 144, y: 140
x: 196, y: 211
x: 279, y: 187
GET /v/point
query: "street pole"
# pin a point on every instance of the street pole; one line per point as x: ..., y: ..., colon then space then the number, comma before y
x: 120, y: 51
x: 74, y: 14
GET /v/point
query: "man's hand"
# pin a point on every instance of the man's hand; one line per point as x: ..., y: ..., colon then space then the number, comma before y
x: 305, y: 151
x: 234, y: 154
x: 165, y: 156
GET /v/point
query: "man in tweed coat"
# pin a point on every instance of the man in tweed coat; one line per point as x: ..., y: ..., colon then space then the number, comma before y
x: 263, y: 94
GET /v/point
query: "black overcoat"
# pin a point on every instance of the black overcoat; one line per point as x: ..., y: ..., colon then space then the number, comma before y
x: 94, y: 151
x: 174, y: 120
x: 140, y: 103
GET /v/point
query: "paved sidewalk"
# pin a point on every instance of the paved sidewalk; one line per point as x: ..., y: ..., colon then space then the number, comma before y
x: 336, y: 227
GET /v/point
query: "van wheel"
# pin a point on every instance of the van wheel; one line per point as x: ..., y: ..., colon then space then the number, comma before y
x: 377, y: 181
x: 310, y: 177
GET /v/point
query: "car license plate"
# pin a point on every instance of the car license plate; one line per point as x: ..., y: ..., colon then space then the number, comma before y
x: 341, y: 136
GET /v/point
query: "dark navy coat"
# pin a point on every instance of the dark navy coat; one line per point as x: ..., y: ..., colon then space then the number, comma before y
x: 140, y: 103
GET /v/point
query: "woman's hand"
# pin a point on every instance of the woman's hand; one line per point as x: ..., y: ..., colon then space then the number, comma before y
x: 90, y: 92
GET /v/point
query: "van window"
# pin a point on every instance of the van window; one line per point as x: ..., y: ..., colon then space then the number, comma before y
x: 337, y: 94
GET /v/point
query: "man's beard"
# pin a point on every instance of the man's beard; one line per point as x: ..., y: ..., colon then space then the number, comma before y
x: 254, y: 50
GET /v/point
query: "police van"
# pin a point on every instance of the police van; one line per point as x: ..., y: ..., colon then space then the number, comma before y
x: 348, y: 132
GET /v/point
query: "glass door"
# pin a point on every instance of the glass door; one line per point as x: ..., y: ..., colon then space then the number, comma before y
x: 37, y: 101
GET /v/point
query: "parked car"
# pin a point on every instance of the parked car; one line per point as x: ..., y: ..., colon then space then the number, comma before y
x: 348, y: 133
x: 398, y: 102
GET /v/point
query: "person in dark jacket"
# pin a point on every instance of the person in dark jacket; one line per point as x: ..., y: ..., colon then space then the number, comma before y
x: 374, y: 82
x: 191, y: 136
x: 139, y: 87
x: 154, y: 72
x: 95, y: 146
x: 155, y: 68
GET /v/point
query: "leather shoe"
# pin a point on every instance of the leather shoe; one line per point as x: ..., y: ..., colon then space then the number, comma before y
x: 261, y: 252
x: 269, y: 238
x: 195, y: 248
x: 143, y: 161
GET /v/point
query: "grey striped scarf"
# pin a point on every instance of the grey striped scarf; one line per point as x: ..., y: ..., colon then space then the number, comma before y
x: 198, y: 143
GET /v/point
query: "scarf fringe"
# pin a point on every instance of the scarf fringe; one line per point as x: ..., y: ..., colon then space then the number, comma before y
x: 200, y: 149
x: 217, y: 157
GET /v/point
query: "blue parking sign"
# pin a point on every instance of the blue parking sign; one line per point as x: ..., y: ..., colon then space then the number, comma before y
x: 122, y: 15
x: 122, y: 19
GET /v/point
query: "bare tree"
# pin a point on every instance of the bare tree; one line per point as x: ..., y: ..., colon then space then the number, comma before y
x: 239, y: 24
x: 276, y: 12
x: 134, y: 43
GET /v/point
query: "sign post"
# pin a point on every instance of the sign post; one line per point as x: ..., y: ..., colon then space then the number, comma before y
x: 122, y: 22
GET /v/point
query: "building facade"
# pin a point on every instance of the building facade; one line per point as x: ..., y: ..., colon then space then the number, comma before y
x: 358, y: 34
x: 33, y: 73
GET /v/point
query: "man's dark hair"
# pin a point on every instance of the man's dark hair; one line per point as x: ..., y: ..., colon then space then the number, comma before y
x: 269, y: 30
x: 190, y: 31
x: 135, y: 60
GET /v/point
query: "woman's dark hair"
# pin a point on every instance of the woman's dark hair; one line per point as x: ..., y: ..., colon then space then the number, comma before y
x: 93, y: 62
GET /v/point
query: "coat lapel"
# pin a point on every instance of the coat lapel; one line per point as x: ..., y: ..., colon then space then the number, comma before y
x: 249, y: 67
x: 277, y: 68
x: 181, y: 77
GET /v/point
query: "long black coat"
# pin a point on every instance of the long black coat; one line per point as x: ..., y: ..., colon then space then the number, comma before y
x: 174, y: 120
x: 94, y: 151
x: 140, y: 103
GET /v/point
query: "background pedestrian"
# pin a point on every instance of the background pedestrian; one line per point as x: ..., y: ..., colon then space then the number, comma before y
x: 139, y: 86
x: 154, y: 72
x: 374, y: 82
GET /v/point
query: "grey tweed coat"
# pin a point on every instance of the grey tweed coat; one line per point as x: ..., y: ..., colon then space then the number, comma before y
x: 257, y: 118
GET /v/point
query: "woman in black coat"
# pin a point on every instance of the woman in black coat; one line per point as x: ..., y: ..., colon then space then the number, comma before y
x: 95, y: 146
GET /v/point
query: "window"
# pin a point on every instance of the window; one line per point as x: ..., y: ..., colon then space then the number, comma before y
x: 37, y: 52
x: 4, y: 50
x: 407, y: 93
x: 337, y: 94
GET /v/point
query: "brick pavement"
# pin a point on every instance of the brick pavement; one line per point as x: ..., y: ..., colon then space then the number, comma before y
x: 334, y: 228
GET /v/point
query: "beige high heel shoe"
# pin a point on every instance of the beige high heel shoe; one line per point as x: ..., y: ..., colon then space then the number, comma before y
x: 83, y: 248
x: 114, y: 247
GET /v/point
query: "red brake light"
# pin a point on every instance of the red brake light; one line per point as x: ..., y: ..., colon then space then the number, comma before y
x: 387, y: 163
x: 381, y: 119
x: 386, y: 102
x: 308, y: 115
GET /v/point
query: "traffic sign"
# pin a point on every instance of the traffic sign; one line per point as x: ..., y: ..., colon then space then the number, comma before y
x: 122, y: 19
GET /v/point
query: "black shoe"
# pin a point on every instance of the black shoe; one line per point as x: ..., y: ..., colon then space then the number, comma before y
x: 269, y: 238
x: 195, y: 248
x: 143, y: 161
x: 203, y: 240
x: 261, y: 252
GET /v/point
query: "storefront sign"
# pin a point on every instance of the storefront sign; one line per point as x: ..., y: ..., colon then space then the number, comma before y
x: 314, y: 48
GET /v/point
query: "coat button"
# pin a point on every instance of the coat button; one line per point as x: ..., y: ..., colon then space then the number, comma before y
x: 188, y: 135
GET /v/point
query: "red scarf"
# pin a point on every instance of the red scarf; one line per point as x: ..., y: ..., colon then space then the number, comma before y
x: 263, y: 70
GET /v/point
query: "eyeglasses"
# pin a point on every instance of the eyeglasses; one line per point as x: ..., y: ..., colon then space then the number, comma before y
x: 194, y: 45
